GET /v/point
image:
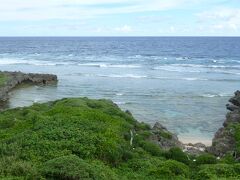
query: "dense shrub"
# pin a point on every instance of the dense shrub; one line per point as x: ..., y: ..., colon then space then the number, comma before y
x: 150, y: 147
x: 12, y: 167
x: 73, y: 168
x: 206, y: 159
x: 228, y: 159
x: 237, y: 168
x: 171, y: 169
x: 216, y: 171
x: 145, y: 163
x: 80, y: 138
x: 178, y: 155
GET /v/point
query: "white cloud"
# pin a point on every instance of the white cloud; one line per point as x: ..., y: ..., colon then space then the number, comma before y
x: 222, y: 18
x: 124, y: 29
x: 98, y: 30
x: 172, y: 29
x: 78, y: 9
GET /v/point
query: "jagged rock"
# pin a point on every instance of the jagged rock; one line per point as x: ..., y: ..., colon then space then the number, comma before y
x: 166, y: 140
x: 236, y: 99
x: 162, y: 137
x: 157, y: 126
x: 232, y: 107
x: 15, y: 78
x: 232, y: 117
x: 224, y: 141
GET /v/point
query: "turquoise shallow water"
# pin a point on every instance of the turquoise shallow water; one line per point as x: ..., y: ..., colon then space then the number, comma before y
x: 184, y: 83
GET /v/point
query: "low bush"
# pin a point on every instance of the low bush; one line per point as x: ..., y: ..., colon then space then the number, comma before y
x: 178, y: 155
x: 216, y: 171
x: 206, y: 159
x: 73, y: 168
x: 78, y: 138
x: 171, y: 169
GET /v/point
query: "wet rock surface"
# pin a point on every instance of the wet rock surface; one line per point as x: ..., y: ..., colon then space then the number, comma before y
x: 15, y: 78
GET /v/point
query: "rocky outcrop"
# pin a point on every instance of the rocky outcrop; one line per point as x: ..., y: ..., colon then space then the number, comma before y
x: 165, y: 139
x: 224, y: 141
x: 15, y: 78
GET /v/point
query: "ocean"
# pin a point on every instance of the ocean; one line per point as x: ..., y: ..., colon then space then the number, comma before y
x: 181, y: 82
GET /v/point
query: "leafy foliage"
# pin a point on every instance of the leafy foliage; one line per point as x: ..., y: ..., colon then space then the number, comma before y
x: 178, y: 155
x: 206, y: 159
x: 72, y: 167
x: 217, y: 171
x: 79, y: 138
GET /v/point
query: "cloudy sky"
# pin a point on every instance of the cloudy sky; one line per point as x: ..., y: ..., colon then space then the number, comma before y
x: 120, y: 18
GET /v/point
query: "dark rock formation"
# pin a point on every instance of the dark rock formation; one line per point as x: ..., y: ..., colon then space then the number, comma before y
x: 224, y: 141
x: 231, y: 107
x: 15, y: 78
x: 165, y: 139
x: 236, y: 99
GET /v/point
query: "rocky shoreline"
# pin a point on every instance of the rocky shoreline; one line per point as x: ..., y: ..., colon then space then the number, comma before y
x: 223, y: 142
x: 12, y: 79
x: 167, y: 140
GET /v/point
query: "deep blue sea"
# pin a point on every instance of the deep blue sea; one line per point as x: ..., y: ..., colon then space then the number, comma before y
x: 182, y: 82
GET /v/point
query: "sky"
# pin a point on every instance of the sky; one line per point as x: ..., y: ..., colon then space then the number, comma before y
x: 120, y: 18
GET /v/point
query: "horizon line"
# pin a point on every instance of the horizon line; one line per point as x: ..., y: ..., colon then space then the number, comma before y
x: 112, y: 36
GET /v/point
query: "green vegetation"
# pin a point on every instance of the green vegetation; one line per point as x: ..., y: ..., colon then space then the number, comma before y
x: 206, y: 159
x: 3, y: 79
x: 80, y: 138
x: 236, y: 128
x: 219, y: 171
